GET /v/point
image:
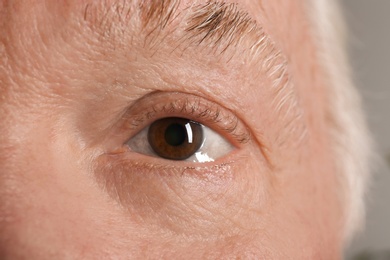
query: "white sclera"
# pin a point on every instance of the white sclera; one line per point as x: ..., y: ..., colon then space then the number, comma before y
x: 213, y: 147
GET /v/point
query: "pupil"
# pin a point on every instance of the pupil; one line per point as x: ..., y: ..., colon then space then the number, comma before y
x: 175, y: 134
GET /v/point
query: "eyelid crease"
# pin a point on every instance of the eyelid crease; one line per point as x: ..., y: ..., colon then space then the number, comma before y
x: 167, y: 104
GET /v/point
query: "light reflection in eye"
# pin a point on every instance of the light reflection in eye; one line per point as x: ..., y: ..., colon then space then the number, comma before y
x: 189, y: 132
x: 203, y: 157
x: 180, y: 139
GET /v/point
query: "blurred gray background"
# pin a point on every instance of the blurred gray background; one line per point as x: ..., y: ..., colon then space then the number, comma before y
x: 369, y: 23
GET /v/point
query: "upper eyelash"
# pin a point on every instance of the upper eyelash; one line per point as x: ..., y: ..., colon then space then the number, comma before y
x: 197, y: 109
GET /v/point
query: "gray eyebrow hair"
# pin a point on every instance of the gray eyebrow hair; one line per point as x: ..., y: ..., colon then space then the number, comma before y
x: 214, y: 24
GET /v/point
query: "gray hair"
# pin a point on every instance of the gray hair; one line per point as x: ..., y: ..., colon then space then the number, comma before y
x: 351, y: 141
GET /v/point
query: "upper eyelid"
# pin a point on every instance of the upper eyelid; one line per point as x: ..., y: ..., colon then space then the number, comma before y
x: 191, y: 106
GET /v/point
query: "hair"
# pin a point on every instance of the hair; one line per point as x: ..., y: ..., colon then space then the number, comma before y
x: 348, y: 130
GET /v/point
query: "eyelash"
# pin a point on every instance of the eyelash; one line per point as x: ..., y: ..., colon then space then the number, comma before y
x: 186, y: 106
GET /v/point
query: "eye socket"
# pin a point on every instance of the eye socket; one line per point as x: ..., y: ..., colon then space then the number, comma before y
x: 176, y: 138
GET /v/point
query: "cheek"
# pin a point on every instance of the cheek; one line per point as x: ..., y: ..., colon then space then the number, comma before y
x: 54, y: 208
x: 50, y: 208
x: 188, y: 202
x: 307, y: 209
x: 48, y: 198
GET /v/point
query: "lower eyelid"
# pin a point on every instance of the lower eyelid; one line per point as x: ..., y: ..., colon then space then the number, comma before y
x: 129, y: 164
x: 148, y: 191
x: 118, y: 173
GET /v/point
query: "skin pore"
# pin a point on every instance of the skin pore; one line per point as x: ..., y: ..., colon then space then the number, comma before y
x: 79, y: 79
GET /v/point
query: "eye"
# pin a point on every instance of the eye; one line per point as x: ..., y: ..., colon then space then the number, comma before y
x: 176, y: 138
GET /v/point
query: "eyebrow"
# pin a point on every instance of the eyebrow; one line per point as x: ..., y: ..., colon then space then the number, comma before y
x: 215, y: 24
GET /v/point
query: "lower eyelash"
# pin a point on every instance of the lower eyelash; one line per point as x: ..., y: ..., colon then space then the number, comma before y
x: 132, y: 163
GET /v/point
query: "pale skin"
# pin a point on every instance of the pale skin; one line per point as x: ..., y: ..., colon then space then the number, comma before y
x: 75, y: 80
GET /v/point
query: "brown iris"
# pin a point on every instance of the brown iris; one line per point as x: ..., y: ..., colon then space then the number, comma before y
x: 175, y: 138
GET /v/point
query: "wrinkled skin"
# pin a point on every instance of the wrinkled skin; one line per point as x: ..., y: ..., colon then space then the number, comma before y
x: 71, y: 187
